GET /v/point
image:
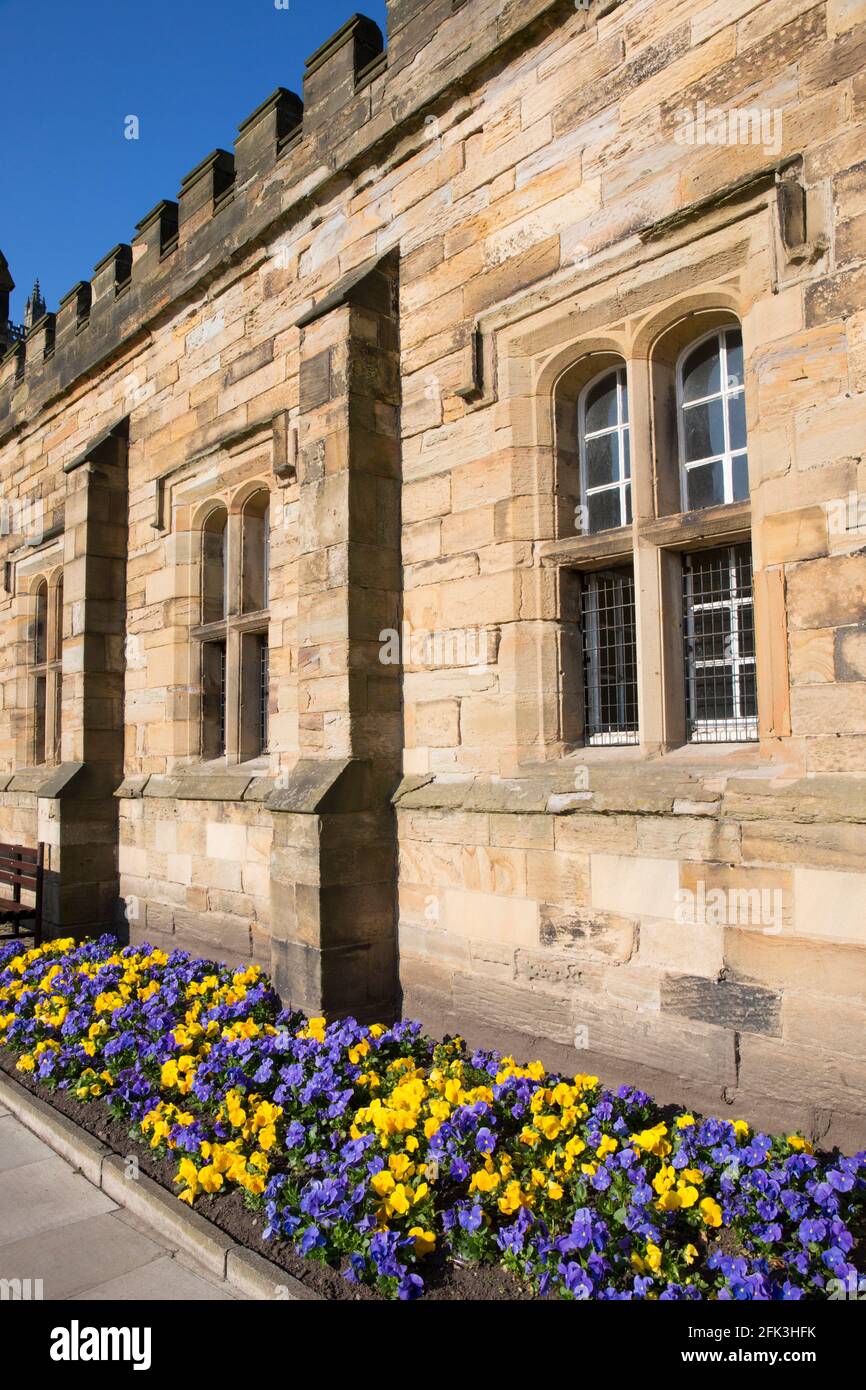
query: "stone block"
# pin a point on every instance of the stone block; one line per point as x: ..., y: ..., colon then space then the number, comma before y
x: 594, y: 936
x: 488, y: 917
x: 796, y: 963
x: 725, y: 1003
x: 635, y: 886
x: 830, y: 905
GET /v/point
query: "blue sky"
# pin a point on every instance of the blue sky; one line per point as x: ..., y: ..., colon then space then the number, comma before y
x: 71, y: 185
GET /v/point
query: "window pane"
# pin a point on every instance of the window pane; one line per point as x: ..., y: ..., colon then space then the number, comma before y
x: 705, y: 485
x: 711, y: 576
x: 714, y: 695
x: 743, y: 570
x: 737, y: 420
x: 748, y: 693
x: 702, y: 371
x: 734, y: 345
x: 256, y: 560
x: 604, y: 510
x: 626, y: 455
x: 40, y: 644
x: 610, y: 657
x: 704, y: 430
x: 214, y: 575
x: 602, y: 463
x: 39, y: 713
x: 740, y: 477
x: 712, y: 634
x: 58, y: 715
x: 264, y: 688
x: 600, y: 405
x: 213, y: 699
x: 57, y: 652
x: 718, y: 626
x: 627, y: 491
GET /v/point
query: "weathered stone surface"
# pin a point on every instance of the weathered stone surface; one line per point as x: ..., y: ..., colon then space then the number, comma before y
x: 407, y: 419
x: 744, y: 1008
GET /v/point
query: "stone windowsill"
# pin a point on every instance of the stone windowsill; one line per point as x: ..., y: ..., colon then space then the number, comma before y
x: 645, y: 789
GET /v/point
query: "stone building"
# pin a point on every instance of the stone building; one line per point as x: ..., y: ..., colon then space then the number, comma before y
x: 434, y: 549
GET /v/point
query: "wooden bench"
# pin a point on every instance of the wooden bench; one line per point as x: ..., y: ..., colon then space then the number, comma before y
x: 22, y: 868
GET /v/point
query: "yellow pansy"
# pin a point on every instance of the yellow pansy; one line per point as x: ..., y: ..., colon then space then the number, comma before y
x: 711, y: 1212
x: 425, y: 1241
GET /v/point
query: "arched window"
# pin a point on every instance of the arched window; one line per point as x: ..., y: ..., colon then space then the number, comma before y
x: 255, y: 670
x: 714, y: 467
x: 47, y: 663
x: 214, y: 567
x: 605, y: 452
x: 235, y: 676
x: 256, y: 547
x: 40, y: 628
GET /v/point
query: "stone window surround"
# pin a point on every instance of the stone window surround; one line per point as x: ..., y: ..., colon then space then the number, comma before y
x: 659, y: 535
x: 238, y: 630
x: 650, y: 345
x: 658, y: 581
x: 50, y: 574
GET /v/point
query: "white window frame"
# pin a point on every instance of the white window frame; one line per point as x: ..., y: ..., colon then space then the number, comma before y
x: 621, y: 429
x: 724, y: 394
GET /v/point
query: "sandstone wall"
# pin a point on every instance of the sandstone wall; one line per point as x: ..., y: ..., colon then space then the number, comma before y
x: 385, y: 314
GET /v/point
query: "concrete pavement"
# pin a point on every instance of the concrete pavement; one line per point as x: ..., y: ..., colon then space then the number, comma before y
x: 57, y: 1227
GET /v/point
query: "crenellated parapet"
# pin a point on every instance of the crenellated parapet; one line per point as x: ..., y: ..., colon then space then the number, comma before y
x: 357, y: 96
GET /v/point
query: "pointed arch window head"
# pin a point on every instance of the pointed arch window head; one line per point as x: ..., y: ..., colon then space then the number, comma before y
x: 714, y: 467
x: 605, y: 452
x: 214, y: 567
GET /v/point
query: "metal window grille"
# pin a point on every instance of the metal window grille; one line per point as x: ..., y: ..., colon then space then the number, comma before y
x: 58, y: 714
x: 39, y: 719
x: 221, y: 705
x: 605, y: 453
x: 719, y: 634
x: 610, y: 657
x: 263, y: 694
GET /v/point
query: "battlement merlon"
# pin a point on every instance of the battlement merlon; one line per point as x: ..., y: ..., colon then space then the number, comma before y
x: 358, y: 99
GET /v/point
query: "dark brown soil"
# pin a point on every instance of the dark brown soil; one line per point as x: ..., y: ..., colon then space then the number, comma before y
x: 442, y: 1280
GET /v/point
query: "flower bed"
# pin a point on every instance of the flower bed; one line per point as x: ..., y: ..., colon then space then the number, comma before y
x: 376, y: 1149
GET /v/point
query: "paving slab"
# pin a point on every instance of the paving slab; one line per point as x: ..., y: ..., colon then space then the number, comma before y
x: 163, y: 1280
x: 40, y: 1196
x: 18, y: 1145
x: 69, y: 1259
x: 57, y: 1227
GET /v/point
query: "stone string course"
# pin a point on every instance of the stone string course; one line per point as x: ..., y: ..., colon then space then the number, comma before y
x: 381, y: 306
